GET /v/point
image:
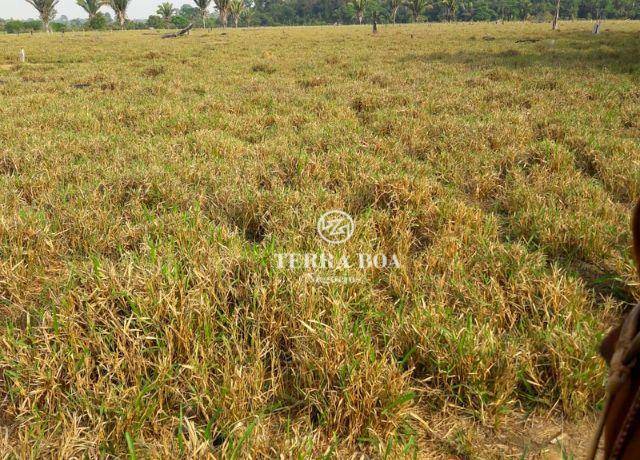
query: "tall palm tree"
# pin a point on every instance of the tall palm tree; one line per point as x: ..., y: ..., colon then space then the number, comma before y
x: 223, y: 8
x: 46, y: 9
x: 236, y: 8
x: 395, y: 6
x: 165, y: 10
x: 119, y: 7
x: 90, y: 6
x: 416, y: 7
x: 451, y: 7
x: 202, y: 6
x: 359, y: 6
x: 556, y: 17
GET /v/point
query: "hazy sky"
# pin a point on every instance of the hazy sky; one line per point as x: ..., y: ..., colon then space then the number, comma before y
x: 20, y: 9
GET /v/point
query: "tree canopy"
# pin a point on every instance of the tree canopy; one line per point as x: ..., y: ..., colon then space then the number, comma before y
x: 210, y: 13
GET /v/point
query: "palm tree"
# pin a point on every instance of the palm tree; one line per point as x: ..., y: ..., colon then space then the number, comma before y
x: 119, y: 7
x: 451, y: 7
x: 359, y: 6
x: 90, y: 6
x: 556, y: 17
x: 46, y: 9
x: 416, y: 7
x: 223, y: 8
x: 395, y: 6
x: 165, y: 11
x: 236, y: 8
x: 202, y: 6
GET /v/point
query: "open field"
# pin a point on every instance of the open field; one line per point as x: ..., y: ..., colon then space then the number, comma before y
x: 147, y: 186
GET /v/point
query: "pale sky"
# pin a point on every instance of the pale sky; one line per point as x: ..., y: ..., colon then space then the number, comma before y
x: 138, y: 9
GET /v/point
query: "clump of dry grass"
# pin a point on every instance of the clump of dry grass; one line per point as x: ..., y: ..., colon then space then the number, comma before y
x: 141, y: 310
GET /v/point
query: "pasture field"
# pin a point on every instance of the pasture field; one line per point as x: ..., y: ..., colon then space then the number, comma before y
x: 147, y: 186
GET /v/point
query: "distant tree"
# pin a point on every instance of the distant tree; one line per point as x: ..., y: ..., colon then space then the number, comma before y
x: 451, y: 9
x: 59, y: 27
x: 374, y: 9
x: 97, y: 22
x: 119, y: 7
x: 556, y: 17
x: 13, y: 26
x: 203, y: 5
x: 180, y: 21
x: 166, y: 10
x: 223, y: 8
x: 300, y: 12
x: 249, y: 15
x: 395, y: 5
x: 236, y: 8
x: 46, y: 9
x: 417, y: 7
x: 359, y: 6
x: 90, y: 6
x: 156, y: 22
x: 481, y: 11
x: 77, y: 24
x: 525, y: 9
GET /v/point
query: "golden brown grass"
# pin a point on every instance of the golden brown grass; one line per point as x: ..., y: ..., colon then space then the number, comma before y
x: 146, y: 184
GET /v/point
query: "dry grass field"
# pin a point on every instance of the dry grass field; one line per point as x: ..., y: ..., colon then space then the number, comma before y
x: 147, y: 186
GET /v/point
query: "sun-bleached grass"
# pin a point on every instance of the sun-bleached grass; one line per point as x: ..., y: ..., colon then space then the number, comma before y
x: 146, y: 184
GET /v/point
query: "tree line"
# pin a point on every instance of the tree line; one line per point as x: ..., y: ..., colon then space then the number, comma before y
x: 211, y: 13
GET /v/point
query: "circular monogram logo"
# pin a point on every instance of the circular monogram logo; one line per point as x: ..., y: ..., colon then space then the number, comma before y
x: 335, y: 227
